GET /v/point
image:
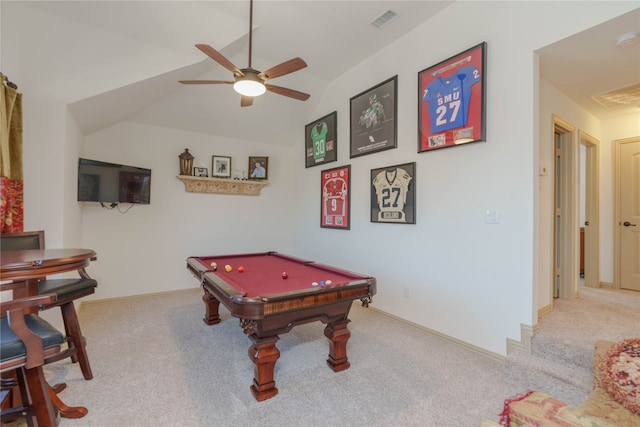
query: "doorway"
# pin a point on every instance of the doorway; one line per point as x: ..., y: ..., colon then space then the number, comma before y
x: 567, y: 200
x: 589, y: 203
x: 627, y: 213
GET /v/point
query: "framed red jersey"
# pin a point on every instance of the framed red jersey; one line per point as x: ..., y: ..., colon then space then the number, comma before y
x: 335, y: 206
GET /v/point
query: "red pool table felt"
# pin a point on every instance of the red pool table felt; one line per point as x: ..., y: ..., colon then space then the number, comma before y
x: 263, y: 273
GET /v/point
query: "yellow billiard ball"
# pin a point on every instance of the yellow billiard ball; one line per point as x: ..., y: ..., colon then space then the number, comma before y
x: 228, y: 268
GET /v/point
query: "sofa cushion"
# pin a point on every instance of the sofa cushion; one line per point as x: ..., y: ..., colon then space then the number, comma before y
x: 600, y: 404
x: 620, y: 373
x: 542, y: 410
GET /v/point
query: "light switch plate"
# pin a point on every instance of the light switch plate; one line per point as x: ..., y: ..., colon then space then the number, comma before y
x: 491, y: 217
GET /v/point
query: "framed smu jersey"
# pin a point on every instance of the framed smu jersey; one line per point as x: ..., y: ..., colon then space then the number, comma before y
x: 335, y: 204
x: 451, y: 101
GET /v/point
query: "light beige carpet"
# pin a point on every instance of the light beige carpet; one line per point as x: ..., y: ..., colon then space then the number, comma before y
x: 155, y: 363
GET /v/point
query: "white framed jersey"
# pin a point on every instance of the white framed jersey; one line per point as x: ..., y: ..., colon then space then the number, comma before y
x: 393, y: 194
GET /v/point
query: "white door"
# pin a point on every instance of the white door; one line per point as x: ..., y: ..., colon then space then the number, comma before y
x: 629, y: 219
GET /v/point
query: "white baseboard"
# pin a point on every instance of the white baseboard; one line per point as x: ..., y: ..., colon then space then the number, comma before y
x: 526, y: 334
x: 452, y: 340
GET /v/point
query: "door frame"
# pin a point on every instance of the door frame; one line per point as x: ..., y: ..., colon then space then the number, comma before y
x: 616, y: 207
x: 566, y: 243
x: 592, y: 209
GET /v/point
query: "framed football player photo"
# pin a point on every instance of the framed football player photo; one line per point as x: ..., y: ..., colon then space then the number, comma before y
x: 451, y: 101
x: 373, y: 122
x: 393, y: 194
x: 321, y: 142
x: 335, y: 203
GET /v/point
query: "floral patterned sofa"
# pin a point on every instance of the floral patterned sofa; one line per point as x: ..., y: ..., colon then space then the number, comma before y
x: 614, y: 401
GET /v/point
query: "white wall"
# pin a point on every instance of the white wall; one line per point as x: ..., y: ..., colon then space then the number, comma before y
x: 554, y: 102
x: 466, y: 279
x: 145, y: 249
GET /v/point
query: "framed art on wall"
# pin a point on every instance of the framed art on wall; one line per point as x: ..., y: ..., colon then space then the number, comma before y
x: 393, y: 194
x: 258, y: 167
x: 221, y: 166
x: 335, y: 205
x: 321, y: 143
x: 451, y: 101
x: 200, y: 172
x: 373, y: 122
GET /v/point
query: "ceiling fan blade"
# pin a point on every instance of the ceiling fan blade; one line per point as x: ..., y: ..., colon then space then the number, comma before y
x: 205, y: 82
x: 219, y: 58
x: 288, y: 92
x: 286, y: 67
x: 246, y: 101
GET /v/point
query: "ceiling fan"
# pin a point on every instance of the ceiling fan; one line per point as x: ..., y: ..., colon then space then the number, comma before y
x: 249, y: 82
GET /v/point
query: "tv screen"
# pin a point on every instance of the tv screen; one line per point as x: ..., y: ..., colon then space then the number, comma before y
x: 111, y: 182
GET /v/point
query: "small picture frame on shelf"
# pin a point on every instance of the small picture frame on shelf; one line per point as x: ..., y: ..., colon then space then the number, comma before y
x: 258, y: 167
x: 201, y: 172
x: 221, y: 167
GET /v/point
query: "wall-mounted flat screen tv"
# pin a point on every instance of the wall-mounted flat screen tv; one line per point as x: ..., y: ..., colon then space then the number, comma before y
x: 111, y: 182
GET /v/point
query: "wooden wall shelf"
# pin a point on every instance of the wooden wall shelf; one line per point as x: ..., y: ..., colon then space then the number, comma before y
x: 196, y: 184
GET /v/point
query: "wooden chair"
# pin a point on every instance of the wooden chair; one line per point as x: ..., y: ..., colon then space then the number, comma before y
x: 26, y: 343
x: 65, y: 290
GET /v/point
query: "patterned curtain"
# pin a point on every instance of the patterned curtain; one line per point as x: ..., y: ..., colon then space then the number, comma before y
x: 11, y: 183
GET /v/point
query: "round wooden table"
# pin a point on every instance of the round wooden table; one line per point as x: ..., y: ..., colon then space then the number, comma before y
x: 33, y: 264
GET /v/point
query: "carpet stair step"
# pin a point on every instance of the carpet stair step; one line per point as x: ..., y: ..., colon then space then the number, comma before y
x: 575, y: 355
x: 532, y: 372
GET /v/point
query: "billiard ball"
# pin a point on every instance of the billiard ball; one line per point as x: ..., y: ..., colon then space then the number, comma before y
x: 328, y: 282
x: 241, y: 269
x: 214, y: 265
x: 322, y: 282
x: 314, y: 283
x: 228, y: 268
x: 285, y: 275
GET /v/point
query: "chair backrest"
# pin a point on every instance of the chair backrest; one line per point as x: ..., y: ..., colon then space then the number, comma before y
x: 22, y: 240
x: 13, y: 318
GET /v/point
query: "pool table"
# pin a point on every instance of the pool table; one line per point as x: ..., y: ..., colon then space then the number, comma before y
x: 271, y: 293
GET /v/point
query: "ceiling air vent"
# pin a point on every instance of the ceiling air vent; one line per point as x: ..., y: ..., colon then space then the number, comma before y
x: 384, y: 19
x: 624, y: 96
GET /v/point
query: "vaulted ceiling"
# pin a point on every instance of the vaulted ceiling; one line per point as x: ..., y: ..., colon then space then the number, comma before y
x: 145, y: 47
x: 331, y: 37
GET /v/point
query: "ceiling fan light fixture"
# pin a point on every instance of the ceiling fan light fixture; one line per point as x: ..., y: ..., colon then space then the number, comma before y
x: 249, y: 84
x: 627, y: 39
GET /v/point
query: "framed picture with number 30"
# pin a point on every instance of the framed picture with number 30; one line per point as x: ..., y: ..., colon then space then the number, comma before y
x: 321, y: 143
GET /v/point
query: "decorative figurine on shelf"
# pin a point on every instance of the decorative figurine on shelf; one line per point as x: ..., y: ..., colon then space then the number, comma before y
x: 186, y: 162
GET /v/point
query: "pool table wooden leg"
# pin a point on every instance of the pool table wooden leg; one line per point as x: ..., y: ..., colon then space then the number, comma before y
x: 338, y: 335
x: 211, y: 304
x: 264, y: 354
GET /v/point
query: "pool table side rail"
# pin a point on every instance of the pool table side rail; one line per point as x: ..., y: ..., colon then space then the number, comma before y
x: 199, y: 260
x: 265, y: 305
